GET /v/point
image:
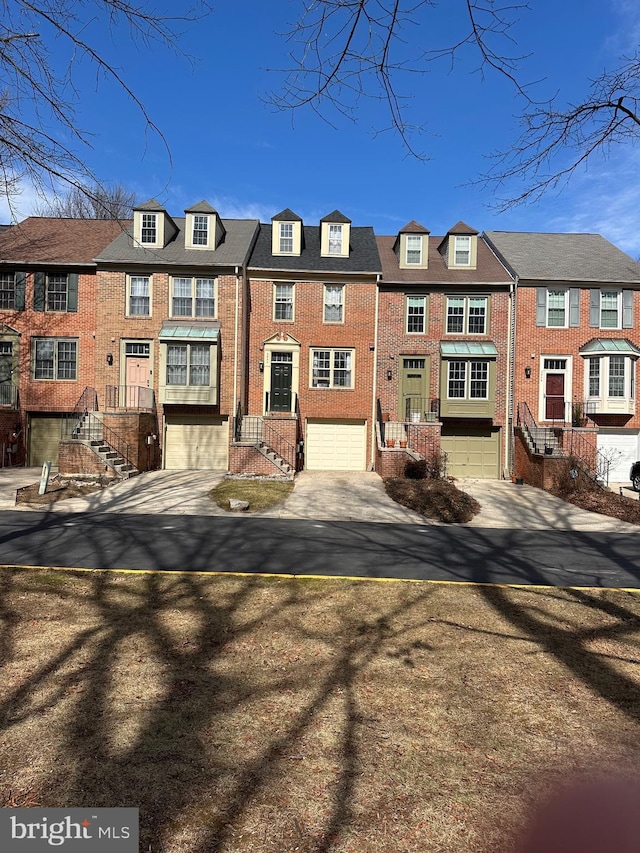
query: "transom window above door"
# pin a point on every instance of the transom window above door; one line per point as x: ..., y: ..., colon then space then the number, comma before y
x: 193, y: 297
x: 555, y: 363
x: 136, y: 348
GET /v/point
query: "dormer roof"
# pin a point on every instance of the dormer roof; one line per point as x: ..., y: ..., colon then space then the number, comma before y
x: 461, y: 228
x: 414, y: 227
x: 286, y: 215
x: 336, y: 216
x: 201, y: 207
x: 152, y: 205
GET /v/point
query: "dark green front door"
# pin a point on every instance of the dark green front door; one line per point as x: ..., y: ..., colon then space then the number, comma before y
x: 280, y: 399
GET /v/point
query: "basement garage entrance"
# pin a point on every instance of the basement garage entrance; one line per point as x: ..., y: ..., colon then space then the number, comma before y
x: 45, y: 431
x: 336, y: 445
x: 620, y: 450
x: 472, y: 451
x: 198, y: 442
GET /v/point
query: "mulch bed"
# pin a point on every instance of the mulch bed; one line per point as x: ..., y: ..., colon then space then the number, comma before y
x: 58, y: 489
x: 607, y: 503
x: 437, y: 499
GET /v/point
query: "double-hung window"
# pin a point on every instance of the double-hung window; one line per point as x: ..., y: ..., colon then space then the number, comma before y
x: 283, y: 301
x: 193, y: 297
x: 462, y: 251
x: 557, y: 308
x: 468, y: 380
x: 139, y: 296
x: 334, y: 303
x: 466, y: 315
x: 335, y: 239
x: 149, y: 229
x: 414, y: 249
x: 200, y: 236
x: 57, y: 292
x: 189, y: 364
x: 8, y: 290
x: 286, y: 237
x: 6, y: 369
x: 610, y: 309
x: 55, y: 358
x: 416, y: 315
x: 331, y: 368
x: 616, y: 375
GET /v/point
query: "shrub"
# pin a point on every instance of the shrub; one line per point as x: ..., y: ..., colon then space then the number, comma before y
x: 433, y: 468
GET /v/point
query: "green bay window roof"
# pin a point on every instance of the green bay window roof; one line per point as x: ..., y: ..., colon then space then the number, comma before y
x: 609, y: 345
x: 199, y: 331
x: 468, y: 348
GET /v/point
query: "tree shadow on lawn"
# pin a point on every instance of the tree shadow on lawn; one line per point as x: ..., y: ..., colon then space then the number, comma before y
x: 184, y: 752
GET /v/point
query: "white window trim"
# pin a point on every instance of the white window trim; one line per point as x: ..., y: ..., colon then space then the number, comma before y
x: 142, y: 229
x: 568, y: 380
x: 290, y: 284
x: 131, y: 276
x: 467, y: 378
x: 189, y: 365
x: 339, y: 322
x: 604, y: 394
x: 618, y: 307
x: 467, y: 239
x: 465, y: 316
x: 340, y: 230
x: 207, y: 230
x: 418, y: 238
x: 47, y: 282
x: 281, y: 237
x: 194, y: 279
x: 409, y: 296
x: 565, y: 291
x: 332, y: 351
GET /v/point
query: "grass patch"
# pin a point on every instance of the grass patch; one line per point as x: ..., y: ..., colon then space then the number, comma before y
x: 245, y: 714
x: 437, y: 499
x: 260, y: 494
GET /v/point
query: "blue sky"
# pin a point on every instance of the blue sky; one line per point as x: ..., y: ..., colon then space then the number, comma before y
x: 249, y: 160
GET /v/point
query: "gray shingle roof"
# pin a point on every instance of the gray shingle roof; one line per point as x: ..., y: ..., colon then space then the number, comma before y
x: 564, y: 257
x: 335, y: 216
x: 286, y: 215
x: 363, y: 254
x: 233, y: 251
x: 152, y: 204
x: 201, y: 207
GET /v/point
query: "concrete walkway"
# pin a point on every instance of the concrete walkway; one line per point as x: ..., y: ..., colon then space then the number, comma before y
x: 335, y: 496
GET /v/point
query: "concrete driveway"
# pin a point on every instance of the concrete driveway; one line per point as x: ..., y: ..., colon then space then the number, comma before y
x: 332, y: 496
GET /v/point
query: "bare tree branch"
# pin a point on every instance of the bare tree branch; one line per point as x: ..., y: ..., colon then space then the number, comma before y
x: 91, y: 202
x: 40, y: 140
x: 343, y: 50
x: 555, y: 142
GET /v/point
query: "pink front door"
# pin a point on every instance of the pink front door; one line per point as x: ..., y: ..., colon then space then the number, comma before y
x: 137, y: 376
x: 554, y: 410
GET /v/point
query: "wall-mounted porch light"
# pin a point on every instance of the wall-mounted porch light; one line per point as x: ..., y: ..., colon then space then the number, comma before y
x: 389, y: 374
x: 261, y: 366
x: 527, y: 373
x: 109, y: 358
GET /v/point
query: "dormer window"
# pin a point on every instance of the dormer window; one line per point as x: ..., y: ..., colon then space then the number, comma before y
x: 462, y: 250
x: 286, y: 238
x: 414, y: 250
x: 149, y: 231
x: 200, y: 230
x: 335, y: 239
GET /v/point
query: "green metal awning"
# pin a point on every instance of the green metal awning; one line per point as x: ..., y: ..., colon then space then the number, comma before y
x: 468, y: 348
x: 612, y: 345
x: 201, y: 331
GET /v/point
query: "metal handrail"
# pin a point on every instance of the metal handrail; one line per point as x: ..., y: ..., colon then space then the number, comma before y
x: 279, y: 444
x: 92, y: 428
x: 135, y: 397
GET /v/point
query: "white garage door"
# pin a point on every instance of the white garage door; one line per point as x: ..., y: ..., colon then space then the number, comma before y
x: 336, y: 445
x: 620, y: 449
x: 197, y: 442
x: 44, y: 436
x: 472, y: 452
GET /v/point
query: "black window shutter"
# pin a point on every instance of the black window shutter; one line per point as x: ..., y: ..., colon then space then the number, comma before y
x: 20, y: 279
x: 72, y: 291
x: 38, y: 291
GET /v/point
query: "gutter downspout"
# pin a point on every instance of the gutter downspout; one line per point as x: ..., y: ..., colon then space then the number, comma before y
x: 509, y: 413
x: 372, y: 464
x: 235, y: 350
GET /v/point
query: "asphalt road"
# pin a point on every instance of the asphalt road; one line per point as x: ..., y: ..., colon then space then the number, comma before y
x: 241, y: 544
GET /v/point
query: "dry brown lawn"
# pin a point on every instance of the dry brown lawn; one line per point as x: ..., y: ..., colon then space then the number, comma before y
x: 275, y: 715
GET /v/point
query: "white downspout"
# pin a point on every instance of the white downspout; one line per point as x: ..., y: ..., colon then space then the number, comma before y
x: 235, y: 350
x: 372, y: 464
x: 509, y: 402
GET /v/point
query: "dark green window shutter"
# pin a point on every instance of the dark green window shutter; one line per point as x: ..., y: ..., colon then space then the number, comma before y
x: 72, y: 291
x: 627, y: 309
x: 38, y: 291
x: 574, y: 306
x: 594, y: 308
x: 541, y: 306
x: 20, y: 282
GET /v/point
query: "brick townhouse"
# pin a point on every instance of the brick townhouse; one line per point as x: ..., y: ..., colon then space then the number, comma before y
x: 311, y: 358
x: 444, y: 337
x: 171, y: 332
x: 47, y: 329
x: 576, y: 341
